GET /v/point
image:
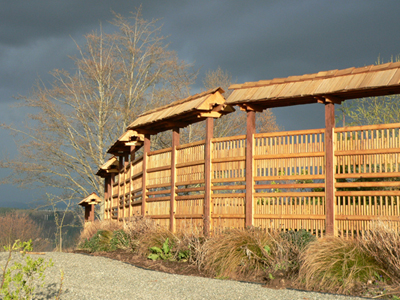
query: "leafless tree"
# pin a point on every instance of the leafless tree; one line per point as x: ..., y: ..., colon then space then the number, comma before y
x: 78, y: 116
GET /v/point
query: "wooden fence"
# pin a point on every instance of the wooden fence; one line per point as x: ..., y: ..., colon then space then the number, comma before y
x: 287, y: 183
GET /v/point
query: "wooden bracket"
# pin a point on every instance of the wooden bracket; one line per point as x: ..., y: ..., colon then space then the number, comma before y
x: 251, y: 107
x: 328, y: 99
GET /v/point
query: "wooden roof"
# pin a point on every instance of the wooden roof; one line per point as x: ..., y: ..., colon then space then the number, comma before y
x: 183, y: 112
x: 125, y: 141
x: 110, y: 166
x: 91, y: 199
x: 334, y: 85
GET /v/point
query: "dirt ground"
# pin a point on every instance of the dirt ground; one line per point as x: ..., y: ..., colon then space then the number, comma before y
x: 371, y: 290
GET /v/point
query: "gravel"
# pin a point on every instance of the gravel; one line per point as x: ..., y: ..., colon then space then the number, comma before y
x: 94, y: 277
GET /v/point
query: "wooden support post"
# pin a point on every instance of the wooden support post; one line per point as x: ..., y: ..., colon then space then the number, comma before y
x: 132, y: 151
x: 251, y: 130
x: 105, y: 207
x: 125, y: 199
x: 112, y: 180
x: 207, y: 176
x: 329, y: 169
x: 91, y: 213
x: 121, y: 167
x: 146, y: 150
x: 172, y: 204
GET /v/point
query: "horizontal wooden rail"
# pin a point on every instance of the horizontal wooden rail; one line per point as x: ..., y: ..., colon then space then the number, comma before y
x: 289, y: 133
x: 356, y: 184
x: 156, y: 186
x: 180, y: 183
x: 158, y: 199
x: 368, y: 151
x: 189, y: 190
x: 367, y: 175
x: 222, y: 180
x: 228, y: 216
x: 228, y: 187
x: 136, y: 202
x: 151, y: 153
x: 190, y: 145
x: 367, y: 127
x: 367, y: 218
x: 189, y: 197
x: 228, y: 195
x: 158, y: 169
x: 367, y: 193
x: 289, y: 186
x: 291, y: 194
x: 290, y: 216
x: 188, y: 216
x: 228, y: 139
x: 228, y: 159
x: 190, y: 164
x: 158, y: 216
x: 158, y: 192
x: 289, y: 155
x: 289, y: 177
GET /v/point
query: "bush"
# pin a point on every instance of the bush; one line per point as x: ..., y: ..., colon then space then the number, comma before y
x: 107, y: 240
x: 336, y: 265
x: 383, y: 244
x: 18, y: 226
x: 243, y: 252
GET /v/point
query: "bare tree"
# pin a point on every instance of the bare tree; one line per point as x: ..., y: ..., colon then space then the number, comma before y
x: 80, y: 115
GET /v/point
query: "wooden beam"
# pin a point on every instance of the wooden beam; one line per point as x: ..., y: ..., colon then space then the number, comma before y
x: 329, y: 169
x: 146, y: 150
x: 207, y: 176
x: 172, y: 205
x: 251, y: 130
x: 112, y: 180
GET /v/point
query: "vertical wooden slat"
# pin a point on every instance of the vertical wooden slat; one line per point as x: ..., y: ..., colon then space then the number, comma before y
x: 207, y: 176
x: 172, y: 205
x: 251, y: 129
x: 329, y: 169
x: 125, y: 199
x: 146, y: 150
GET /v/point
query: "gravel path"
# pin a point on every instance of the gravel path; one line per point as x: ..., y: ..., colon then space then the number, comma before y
x: 89, y: 277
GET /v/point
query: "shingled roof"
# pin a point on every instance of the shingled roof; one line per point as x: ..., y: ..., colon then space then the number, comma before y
x: 183, y: 112
x: 336, y: 85
x: 91, y: 199
x: 125, y: 141
x: 110, y: 166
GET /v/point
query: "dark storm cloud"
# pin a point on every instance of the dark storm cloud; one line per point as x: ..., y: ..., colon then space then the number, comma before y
x: 253, y: 40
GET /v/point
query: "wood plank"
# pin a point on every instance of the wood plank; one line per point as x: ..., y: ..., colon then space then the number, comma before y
x: 158, y: 192
x: 189, y: 197
x: 289, y: 177
x: 289, y: 133
x: 289, y: 186
x: 368, y: 193
x: 156, y: 186
x: 191, y: 182
x: 290, y: 216
x: 228, y: 159
x: 158, y: 199
x: 357, y: 184
x: 367, y: 127
x: 368, y: 175
x: 189, y: 216
x: 221, y: 180
x: 228, y: 216
x: 229, y: 138
x: 159, y: 151
x: 190, y: 145
x: 158, y: 169
x: 146, y: 150
x: 228, y: 187
x: 367, y: 218
x: 368, y: 152
x: 190, y: 164
x: 329, y: 169
x: 289, y: 155
x: 229, y: 195
x: 291, y: 194
x: 158, y: 216
x: 190, y: 190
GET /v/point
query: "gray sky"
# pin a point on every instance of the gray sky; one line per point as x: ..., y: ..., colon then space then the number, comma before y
x: 253, y: 40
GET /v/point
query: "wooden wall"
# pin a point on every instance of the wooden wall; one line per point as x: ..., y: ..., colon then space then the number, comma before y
x: 288, y: 182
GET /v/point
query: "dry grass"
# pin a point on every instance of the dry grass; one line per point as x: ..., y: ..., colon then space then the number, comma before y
x: 92, y: 228
x: 383, y: 244
x: 242, y: 252
x: 336, y: 265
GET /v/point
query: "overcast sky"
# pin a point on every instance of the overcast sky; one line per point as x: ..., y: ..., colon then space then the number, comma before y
x: 253, y: 40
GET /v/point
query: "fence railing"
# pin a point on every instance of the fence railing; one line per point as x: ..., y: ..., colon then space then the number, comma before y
x: 288, y: 182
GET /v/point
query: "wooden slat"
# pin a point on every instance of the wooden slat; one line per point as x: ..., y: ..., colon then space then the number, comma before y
x: 158, y: 216
x: 189, y: 164
x: 229, y: 195
x: 356, y: 184
x: 158, y: 199
x: 228, y: 216
x: 190, y: 190
x: 189, y: 182
x: 288, y: 155
x: 158, y: 169
x: 228, y: 159
x: 158, y: 192
x: 368, y: 152
x: 156, y: 186
x: 222, y: 180
x: 290, y: 177
x: 291, y: 194
x: 289, y: 133
x: 367, y: 127
x: 228, y: 187
x: 290, y: 186
x: 189, y: 216
x: 160, y: 151
x: 290, y: 216
x: 367, y: 193
x: 229, y: 138
x: 190, y: 145
x: 368, y: 175
x: 188, y: 197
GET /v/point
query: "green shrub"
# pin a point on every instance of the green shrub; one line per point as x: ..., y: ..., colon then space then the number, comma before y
x: 299, y: 239
x: 106, y: 240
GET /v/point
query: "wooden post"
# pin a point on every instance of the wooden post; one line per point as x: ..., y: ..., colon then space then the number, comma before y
x: 124, y: 197
x: 91, y: 213
x: 132, y: 151
x: 329, y: 169
x: 121, y: 168
x: 172, y: 204
x: 112, y: 180
x: 207, y: 176
x: 251, y: 129
x: 106, y: 200
x: 146, y: 150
